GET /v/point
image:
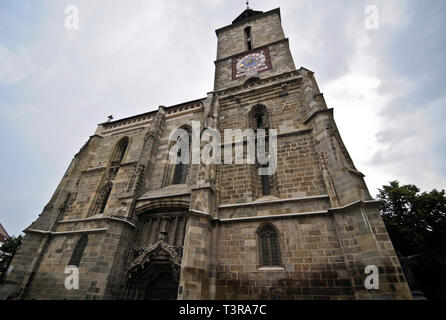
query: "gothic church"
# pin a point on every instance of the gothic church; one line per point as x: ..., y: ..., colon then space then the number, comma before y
x: 138, y: 227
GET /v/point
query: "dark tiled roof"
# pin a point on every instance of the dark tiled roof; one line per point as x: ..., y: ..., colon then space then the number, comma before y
x: 246, y: 14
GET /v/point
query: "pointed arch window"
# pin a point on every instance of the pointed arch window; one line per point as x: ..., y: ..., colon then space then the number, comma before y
x: 121, y: 148
x: 258, y: 118
x: 181, y: 169
x: 264, y: 185
x: 117, y: 157
x: 102, y: 199
x: 78, y: 251
x: 269, y: 247
x: 180, y: 173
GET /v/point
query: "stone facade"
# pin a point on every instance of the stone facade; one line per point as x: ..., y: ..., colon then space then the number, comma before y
x: 205, y: 238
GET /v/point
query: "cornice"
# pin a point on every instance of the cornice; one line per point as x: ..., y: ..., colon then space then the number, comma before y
x: 53, y: 233
x: 314, y: 114
x: 262, y: 83
x: 269, y: 202
x: 111, y: 218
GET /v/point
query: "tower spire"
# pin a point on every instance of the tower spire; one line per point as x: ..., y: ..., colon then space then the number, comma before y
x: 247, y: 5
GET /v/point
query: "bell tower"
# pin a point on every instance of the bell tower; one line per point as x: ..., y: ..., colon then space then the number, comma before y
x: 253, y: 46
x: 315, y: 200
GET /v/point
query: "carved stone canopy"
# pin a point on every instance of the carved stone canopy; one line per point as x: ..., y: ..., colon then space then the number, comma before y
x: 153, y: 258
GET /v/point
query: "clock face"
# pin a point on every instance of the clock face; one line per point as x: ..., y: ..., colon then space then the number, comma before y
x: 251, y: 64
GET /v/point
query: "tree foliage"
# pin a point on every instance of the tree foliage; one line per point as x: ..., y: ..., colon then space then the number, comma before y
x: 416, y: 223
x: 7, y: 252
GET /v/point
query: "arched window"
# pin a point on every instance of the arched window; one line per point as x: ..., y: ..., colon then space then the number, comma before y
x: 102, y: 198
x: 269, y: 247
x: 180, y: 173
x: 248, y: 38
x: 258, y: 118
x: 120, y: 149
x: 252, y: 79
x: 181, y: 169
x: 78, y: 251
x: 117, y: 157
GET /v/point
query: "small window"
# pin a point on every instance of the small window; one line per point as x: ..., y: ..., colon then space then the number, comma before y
x: 269, y: 247
x: 259, y: 121
x: 258, y: 117
x: 248, y: 38
x: 78, y: 251
x: 266, y: 187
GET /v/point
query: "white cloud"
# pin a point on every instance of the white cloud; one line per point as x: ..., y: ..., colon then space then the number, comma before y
x: 384, y: 148
x: 129, y: 57
x: 12, y: 66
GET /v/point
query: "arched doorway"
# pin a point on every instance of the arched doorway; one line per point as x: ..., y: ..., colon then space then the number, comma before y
x: 154, y: 274
x: 164, y: 287
x: 154, y: 263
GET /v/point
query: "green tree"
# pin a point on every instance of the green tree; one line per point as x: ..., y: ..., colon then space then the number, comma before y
x: 416, y: 223
x: 7, y: 252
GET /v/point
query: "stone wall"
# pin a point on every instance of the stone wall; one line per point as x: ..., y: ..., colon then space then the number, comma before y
x: 312, y: 267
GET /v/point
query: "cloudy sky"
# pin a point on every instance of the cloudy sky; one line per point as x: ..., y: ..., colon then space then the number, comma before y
x: 128, y: 57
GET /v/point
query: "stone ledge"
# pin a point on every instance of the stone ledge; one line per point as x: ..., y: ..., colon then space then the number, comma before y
x: 98, y: 218
x: 167, y: 192
x: 279, y: 216
x: 117, y: 132
x: 271, y: 269
x: 356, y: 172
x: 330, y: 111
x: 359, y: 202
x: 203, y: 185
x: 65, y: 232
x: 231, y: 92
x: 260, y: 203
x: 93, y: 169
x: 200, y: 213
x: 130, y: 163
